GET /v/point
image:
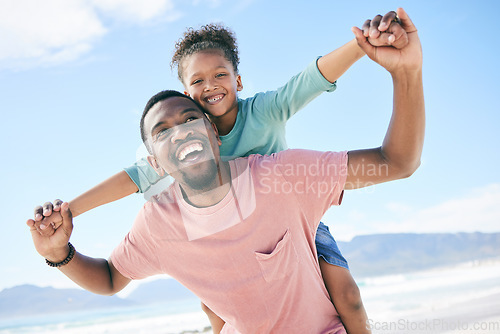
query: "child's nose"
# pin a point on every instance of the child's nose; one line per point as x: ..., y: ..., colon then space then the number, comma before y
x: 210, y: 84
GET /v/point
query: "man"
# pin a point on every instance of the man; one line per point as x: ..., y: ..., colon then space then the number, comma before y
x: 240, y: 234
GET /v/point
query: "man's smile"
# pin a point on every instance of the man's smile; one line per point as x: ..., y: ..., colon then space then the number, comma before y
x: 189, y: 151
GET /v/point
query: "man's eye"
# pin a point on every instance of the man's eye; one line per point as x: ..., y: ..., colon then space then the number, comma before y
x: 162, y: 133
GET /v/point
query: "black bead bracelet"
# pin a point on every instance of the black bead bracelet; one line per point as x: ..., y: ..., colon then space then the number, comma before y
x: 66, y: 260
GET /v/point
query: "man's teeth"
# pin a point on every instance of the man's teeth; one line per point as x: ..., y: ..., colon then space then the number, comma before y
x: 215, y: 98
x: 189, y: 149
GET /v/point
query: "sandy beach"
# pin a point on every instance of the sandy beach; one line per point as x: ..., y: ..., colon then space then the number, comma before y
x: 452, y: 300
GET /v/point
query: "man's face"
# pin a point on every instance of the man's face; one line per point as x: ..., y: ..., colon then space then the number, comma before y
x: 183, y: 142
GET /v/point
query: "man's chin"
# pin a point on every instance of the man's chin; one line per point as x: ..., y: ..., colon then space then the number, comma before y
x: 199, y: 176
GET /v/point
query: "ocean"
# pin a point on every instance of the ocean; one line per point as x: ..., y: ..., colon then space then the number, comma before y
x: 459, y: 299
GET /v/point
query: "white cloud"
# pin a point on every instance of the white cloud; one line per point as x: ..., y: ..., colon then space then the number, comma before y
x: 137, y: 11
x: 210, y: 3
x: 49, y: 32
x: 478, y: 211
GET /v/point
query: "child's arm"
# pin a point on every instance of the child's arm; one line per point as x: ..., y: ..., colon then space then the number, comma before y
x: 334, y: 64
x: 116, y: 187
x: 137, y: 178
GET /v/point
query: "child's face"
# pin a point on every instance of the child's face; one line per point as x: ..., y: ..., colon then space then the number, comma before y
x: 209, y: 78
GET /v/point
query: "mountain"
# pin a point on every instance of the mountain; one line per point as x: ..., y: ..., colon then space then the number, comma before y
x: 368, y: 255
x: 160, y: 290
x: 29, y: 299
x: 381, y: 254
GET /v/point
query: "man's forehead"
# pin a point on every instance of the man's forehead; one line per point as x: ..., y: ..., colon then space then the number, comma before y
x: 171, y: 108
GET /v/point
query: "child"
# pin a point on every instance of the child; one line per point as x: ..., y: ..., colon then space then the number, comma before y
x: 207, y: 62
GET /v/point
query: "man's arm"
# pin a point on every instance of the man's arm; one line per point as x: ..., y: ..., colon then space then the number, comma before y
x: 95, y: 275
x: 399, y: 155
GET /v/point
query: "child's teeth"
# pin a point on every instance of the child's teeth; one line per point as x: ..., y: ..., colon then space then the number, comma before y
x: 217, y: 98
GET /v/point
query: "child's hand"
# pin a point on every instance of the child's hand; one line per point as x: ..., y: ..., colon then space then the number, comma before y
x: 48, y: 218
x: 408, y: 58
x: 385, y: 31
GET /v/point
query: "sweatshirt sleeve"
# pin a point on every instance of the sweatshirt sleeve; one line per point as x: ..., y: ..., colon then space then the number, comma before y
x: 143, y: 175
x: 301, y: 89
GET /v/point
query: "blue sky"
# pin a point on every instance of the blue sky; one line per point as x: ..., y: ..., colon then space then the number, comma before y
x: 75, y: 75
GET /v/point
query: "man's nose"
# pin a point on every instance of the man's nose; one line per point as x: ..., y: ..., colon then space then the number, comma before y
x: 180, y: 133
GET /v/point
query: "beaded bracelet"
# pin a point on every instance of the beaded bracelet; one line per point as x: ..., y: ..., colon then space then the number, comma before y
x: 66, y: 260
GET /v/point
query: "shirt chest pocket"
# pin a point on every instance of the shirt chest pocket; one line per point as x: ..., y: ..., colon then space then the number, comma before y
x: 281, y: 262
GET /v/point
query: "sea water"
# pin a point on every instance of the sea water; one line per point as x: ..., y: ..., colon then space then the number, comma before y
x: 169, y: 317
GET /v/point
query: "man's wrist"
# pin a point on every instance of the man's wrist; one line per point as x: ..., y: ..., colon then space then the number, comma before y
x: 59, y: 255
x: 407, y: 74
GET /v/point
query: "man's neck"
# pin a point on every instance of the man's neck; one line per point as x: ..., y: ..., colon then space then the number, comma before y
x: 212, y: 194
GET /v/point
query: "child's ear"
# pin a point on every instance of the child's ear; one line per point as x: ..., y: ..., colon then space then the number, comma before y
x: 239, y: 84
x: 152, y: 161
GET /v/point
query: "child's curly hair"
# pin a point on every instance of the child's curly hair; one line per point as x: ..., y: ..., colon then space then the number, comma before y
x: 210, y: 36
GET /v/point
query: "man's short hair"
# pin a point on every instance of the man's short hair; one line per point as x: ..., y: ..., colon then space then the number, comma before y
x: 163, y: 95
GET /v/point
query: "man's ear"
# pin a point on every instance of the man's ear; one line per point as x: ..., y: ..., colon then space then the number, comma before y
x: 239, y: 84
x: 152, y: 161
x: 186, y: 93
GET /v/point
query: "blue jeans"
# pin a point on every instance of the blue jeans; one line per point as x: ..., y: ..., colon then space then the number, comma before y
x: 327, y: 247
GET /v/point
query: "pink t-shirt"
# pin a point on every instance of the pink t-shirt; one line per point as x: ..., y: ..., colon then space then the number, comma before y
x: 251, y: 258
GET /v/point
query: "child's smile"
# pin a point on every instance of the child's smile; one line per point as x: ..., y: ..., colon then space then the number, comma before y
x: 214, y: 99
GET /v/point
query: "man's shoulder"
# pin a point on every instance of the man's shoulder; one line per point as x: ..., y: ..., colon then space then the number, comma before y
x: 292, y: 155
x: 160, y: 201
x: 297, y: 159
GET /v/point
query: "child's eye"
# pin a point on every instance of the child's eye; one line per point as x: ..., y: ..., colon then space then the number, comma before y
x: 196, y: 82
x: 220, y: 75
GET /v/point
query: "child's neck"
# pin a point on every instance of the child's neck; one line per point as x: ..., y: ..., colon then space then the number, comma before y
x: 225, y: 123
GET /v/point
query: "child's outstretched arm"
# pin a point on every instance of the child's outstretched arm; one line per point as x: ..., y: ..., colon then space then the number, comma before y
x: 381, y: 31
x: 116, y: 187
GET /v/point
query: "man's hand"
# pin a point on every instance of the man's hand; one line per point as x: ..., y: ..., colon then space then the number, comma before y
x: 408, y: 58
x: 51, y: 234
x: 385, y: 31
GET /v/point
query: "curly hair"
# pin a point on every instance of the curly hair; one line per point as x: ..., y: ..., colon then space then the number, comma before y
x: 210, y: 36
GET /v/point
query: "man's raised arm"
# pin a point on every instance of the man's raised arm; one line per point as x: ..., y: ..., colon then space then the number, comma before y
x: 399, y: 155
x: 95, y: 275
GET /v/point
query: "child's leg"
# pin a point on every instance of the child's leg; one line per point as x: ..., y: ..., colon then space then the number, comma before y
x: 216, y: 322
x: 340, y: 285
